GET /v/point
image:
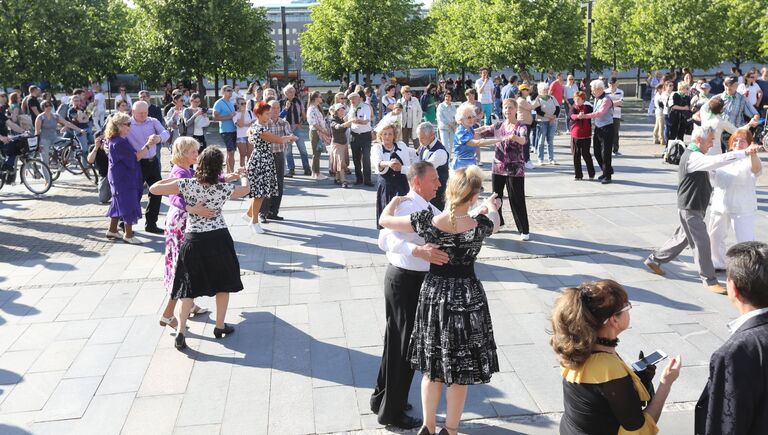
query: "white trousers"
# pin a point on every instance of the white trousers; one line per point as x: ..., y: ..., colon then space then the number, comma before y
x: 743, y: 226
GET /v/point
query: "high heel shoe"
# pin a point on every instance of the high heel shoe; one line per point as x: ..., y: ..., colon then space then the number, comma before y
x: 180, y: 343
x: 226, y: 330
x: 425, y: 431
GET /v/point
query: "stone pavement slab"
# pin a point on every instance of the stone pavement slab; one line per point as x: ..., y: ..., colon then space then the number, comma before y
x: 81, y: 350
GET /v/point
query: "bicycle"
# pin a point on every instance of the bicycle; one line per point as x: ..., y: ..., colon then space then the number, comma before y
x: 67, y: 154
x: 35, y: 175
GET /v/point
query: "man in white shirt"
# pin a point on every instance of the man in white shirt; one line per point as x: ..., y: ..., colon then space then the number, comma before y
x: 617, y: 96
x: 360, y: 114
x: 693, y: 195
x: 434, y: 152
x: 409, y: 259
x: 735, y: 399
x: 100, y: 109
x: 484, y: 88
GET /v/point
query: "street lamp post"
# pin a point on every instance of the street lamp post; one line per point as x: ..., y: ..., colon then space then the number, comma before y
x: 588, y: 60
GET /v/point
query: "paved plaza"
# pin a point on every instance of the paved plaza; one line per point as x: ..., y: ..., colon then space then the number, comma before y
x: 81, y: 351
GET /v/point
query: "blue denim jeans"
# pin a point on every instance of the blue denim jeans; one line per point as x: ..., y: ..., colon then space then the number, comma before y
x: 301, y: 133
x: 487, y: 109
x: 546, y: 133
x: 85, y: 140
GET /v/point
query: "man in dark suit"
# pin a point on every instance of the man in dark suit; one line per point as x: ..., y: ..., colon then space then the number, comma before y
x: 735, y: 400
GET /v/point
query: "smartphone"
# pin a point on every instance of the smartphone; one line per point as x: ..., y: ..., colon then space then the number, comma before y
x: 649, y: 360
x: 205, y: 110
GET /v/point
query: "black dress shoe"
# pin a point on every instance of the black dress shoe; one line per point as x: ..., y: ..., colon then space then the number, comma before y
x: 307, y: 172
x: 403, y: 422
x: 226, y: 330
x: 263, y: 218
x: 275, y: 217
x: 424, y: 431
x: 606, y: 181
x: 153, y: 229
x: 179, y: 343
x: 600, y: 178
x: 369, y: 184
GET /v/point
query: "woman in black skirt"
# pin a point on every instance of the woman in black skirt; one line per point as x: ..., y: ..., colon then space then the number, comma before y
x: 391, y: 160
x: 452, y: 341
x: 207, y: 264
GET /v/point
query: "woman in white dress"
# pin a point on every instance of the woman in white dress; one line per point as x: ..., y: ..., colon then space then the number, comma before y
x: 734, y: 201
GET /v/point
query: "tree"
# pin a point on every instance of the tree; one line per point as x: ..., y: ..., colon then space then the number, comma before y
x: 664, y: 34
x: 610, y: 31
x: 369, y: 35
x: 204, y: 38
x: 744, y: 32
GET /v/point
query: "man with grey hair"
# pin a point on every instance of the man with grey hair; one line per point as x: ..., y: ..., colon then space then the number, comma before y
x: 434, y: 152
x: 360, y: 114
x: 146, y: 130
x: 409, y: 259
x: 693, y: 195
x: 292, y: 110
x: 602, y: 139
x: 735, y: 399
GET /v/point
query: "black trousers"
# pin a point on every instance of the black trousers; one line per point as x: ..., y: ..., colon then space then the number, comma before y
x: 271, y: 205
x: 616, y: 128
x: 401, y: 296
x: 602, y: 140
x: 150, y: 171
x: 203, y: 142
x: 361, y: 156
x: 516, y: 190
x: 579, y: 150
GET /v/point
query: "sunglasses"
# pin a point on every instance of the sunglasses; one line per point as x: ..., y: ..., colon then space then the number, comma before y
x: 626, y: 308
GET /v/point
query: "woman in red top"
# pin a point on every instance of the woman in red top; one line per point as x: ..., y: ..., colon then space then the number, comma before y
x: 581, y: 135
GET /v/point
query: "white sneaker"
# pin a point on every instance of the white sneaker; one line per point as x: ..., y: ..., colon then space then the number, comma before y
x: 256, y: 229
x: 525, y: 237
x: 552, y: 162
x: 541, y: 162
x: 529, y: 165
x: 245, y: 218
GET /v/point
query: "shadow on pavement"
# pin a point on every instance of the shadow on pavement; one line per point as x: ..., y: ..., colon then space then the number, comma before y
x: 10, y: 307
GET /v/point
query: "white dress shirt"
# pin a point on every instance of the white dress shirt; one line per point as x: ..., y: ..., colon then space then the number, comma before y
x: 379, y: 154
x: 734, y: 325
x: 362, y: 111
x: 437, y: 157
x: 399, y: 246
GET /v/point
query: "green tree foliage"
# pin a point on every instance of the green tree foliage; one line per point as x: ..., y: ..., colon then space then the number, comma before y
x: 522, y: 34
x: 610, y: 31
x: 67, y: 42
x: 743, y: 30
x: 197, y: 38
x: 663, y: 34
x: 362, y: 35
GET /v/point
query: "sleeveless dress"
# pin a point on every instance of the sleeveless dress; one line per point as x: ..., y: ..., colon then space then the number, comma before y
x: 452, y: 338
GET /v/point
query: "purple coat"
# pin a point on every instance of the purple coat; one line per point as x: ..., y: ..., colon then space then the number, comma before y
x: 125, y: 181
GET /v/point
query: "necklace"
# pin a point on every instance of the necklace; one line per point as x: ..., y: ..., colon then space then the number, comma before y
x: 607, y: 342
x: 462, y: 217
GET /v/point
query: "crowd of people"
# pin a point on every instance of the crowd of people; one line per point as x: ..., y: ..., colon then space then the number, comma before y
x: 426, y: 154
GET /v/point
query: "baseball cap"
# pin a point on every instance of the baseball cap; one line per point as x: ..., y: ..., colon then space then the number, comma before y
x: 705, y: 86
x: 524, y: 87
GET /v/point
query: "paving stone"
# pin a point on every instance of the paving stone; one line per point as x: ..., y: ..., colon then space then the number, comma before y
x: 335, y: 409
x: 153, y: 414
x: 70, y: 399
x: 58, y: 356
x: 124, y: 375
x: 106, y: 415
x: 206, y: 394
x: 93, y: 360
x: 33, y: 393
x: 168, y: 373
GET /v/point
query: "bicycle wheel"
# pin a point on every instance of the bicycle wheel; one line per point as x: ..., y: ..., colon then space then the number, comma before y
x: 90, y: 173
x: 70, y: 160
x: 36, y: 176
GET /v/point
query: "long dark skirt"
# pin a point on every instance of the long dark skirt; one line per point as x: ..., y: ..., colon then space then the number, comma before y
x: 207, y: 265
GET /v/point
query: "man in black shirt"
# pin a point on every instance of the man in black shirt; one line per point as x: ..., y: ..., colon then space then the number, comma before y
x: 33, y: 102
x: 717, y: 84
x: 6, y: 126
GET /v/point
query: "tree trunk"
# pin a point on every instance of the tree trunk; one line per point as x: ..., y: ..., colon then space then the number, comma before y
x: 216, y: 86
x: 638, y: 91
x: 201, y: 88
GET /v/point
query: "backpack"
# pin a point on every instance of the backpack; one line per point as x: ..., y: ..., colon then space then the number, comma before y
x: 674, y: 151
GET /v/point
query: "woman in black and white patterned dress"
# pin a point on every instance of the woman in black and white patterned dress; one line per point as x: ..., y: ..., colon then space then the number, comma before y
x: 262, y: 174
x: 207, y: 263
x: 452, y: 341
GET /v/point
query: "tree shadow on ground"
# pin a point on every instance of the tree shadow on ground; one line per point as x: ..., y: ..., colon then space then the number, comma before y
x: 7, y: 305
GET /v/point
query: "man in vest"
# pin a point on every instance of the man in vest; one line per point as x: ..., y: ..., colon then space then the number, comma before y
x: 693, y: 195
x: 433, y: 151
x: 602, y: 138
x: 409, y: 259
